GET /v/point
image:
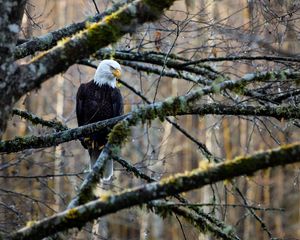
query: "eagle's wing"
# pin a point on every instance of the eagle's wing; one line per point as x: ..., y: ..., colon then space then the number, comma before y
x: 80, y: 98
x: 118, y: 106
x: 80, y: 110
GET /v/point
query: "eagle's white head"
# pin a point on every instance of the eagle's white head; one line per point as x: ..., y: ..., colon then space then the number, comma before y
x: 107, y: 72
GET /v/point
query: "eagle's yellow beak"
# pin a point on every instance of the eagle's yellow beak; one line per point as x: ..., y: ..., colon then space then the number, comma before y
x: 117, y: 73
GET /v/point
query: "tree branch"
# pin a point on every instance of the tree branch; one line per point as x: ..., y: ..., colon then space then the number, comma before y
x: 201, y: 223
x: 238, y: 58
x: 170, y: 107
x: 278, y: 112
x: 50, y: 39
x: 121, y: 131
x: 159, y: 59
x: 85, y: 193
x: 54, y: 139
x: 38, y: 120
x: 201, y: 145
x: 197, y: 178
x: 172, y: 73
x: 208, y: 223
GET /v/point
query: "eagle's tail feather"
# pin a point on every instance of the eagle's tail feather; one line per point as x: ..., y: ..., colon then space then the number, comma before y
x: 108, y: 168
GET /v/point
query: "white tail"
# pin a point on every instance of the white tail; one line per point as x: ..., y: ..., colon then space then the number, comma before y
x: 109, y: 165
x: 108, y: 170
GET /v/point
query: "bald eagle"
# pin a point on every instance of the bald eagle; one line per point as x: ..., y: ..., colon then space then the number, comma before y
x: 98, y: 100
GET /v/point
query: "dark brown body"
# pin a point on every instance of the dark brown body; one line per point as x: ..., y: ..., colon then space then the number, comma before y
x: 95, y: 103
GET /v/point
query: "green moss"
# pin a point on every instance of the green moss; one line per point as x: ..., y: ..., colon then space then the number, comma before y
x: 162, y: 111
x: 162, y: 211
x: 158, y: 6
x: 150, y: 114
x: 219, y: 79
x: 63, y: 41
x: 109, y: 30
x: 72, y: 214
x: 240, y: 88
x: 142, y: 114
x: 119, y: 133
x: 171, y: 106
x: 267, y: 76
x: 228, y: 230
x: 284, y: 110
x: 115, y: 150
x: 102, y: 33
x: 282, y: 75
x: 135, y: 118
x: 174, y: 179
x: 38, y: 56
x: 180, y: 104
x: 86, y: 195
x: 105, y: 197
x: 30, y: 223
x: 111, y: 18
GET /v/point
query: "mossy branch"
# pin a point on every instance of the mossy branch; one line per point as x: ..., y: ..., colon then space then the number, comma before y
x: 54, y: 139
x: 278, y: 112
x: 176, y: 105
x: 85, y: 193
x: 203, y: 222
x: 170, y: 107
x: 38, y: 120
x: 50, y: 39
x: 200, y: 222
x: 197, y: 178
x: 239, y: 58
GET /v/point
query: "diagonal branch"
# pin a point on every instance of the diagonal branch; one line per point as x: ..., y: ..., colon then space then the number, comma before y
x: 171, y: 107
x: 197, y: 178
x: 38, y: 120
x: 85, y: 193
x: 50, y: 39
x: 203, y: 223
